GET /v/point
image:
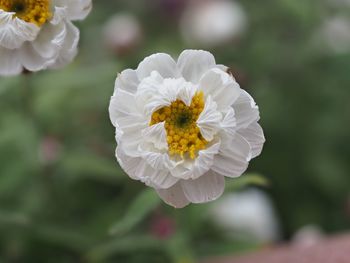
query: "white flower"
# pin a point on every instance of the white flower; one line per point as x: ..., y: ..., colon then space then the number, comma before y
x: 334, y: 35
x: 247, y: 215
x: 213, y: 23
x: 183, y: 126
x: 122, y: 33
x: 39, y: 34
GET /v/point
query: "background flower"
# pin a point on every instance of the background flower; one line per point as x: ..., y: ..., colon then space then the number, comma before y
x: 122, y: 33
x: 213, y: 23
x: 247, y: 215
x: 39, y: 34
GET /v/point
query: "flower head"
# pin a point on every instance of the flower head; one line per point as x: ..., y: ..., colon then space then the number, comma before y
x: 39, y: 34
x: 213, y: 23
x: 181, y: 127
x: 123, y: 33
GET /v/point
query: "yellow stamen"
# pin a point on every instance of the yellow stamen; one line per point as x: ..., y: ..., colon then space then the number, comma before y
x: 31, y: 11
x: 183, y: 134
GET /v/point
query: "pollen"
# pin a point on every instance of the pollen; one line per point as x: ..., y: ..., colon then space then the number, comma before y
x: 183, y: 135
x: 31, y: 11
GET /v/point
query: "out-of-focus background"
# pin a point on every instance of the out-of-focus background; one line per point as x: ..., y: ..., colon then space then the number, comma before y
x: 63, y: 197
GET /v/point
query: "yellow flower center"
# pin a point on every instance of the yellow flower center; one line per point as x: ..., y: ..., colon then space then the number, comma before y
x: 183, y: 134
x: 31, y: 11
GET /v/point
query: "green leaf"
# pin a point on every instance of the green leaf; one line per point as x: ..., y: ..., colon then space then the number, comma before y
x: 245, y: 180
x: 143, y: 204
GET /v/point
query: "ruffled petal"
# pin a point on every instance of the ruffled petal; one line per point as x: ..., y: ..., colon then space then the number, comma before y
x: 158, y: 160
x: 209, y: 120
x: 31, y: 59
x: 140, y: 170
x: 194, y: 63
x: 174, y: 196
x: 202, y: 164
x: 254, y: 134
x: 156, y: 134
x: 127, y: 119
x: 69, y: 48
x: 221, y: 86
x: 228, y: 123
x: 127, y: 80
x: 160, y: 62
x: 233, y: 157
x: 206, y: 188
x: 155, y: 92
x: 14, y: 31
x: 76, y: 9
x: 246, y: 111
x: 10, y: 64
x: 52, y: 36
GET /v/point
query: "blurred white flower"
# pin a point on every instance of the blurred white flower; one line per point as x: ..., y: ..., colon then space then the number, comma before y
x: 182, y: 126
x: 213, y: 23
x: 122, y: 33
x: 247, y: 215
x: 39, y: 34
x: 340, y: 3
x: 334, y: 34
x: 307, y: 236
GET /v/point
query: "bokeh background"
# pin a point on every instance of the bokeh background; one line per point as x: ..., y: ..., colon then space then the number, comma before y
x: 63, y: 197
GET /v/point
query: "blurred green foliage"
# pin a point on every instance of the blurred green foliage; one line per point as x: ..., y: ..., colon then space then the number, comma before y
x: 80, y: 207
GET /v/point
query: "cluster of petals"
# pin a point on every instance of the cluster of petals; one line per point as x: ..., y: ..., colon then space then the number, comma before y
x: 228, y: 123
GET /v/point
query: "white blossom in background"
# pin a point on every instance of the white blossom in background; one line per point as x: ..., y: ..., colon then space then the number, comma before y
x: 182, y: 126
x: 340, y: 3
x: 308, y: 236
x: 213, y: 23
x: 122, y: 33
x: 334, y: 35
x: 248, y: 215
x: 39, y: 34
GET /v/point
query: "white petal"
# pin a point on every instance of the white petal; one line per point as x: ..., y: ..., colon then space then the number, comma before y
x: 160, y: 179
x: 69, y: 48
x: 155, y: 92
x: 127, y: 80
x: 10, y: 64
x: 206, y: 188
x: 204, y: 160
x: 31, y: 59
x: 246, y: 111
x: 140, y: 170
x: 198, y: 167
x: 228, y: 123
x: 51, y: 37
x: 209, y: 120
x: 44, y: 50
x: 194, y: 63
x: 156, y: 134
x: 160, y: 62
x: 221, y: 86
x: 174, y: 196
x: 255, y: 136
x: 186, y: 92
x: 76, y: 9
x: 158, y: 160
x: 233, y: 158
x: 127, y: 163
x: 125, y: 116
x: 14, y: 31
